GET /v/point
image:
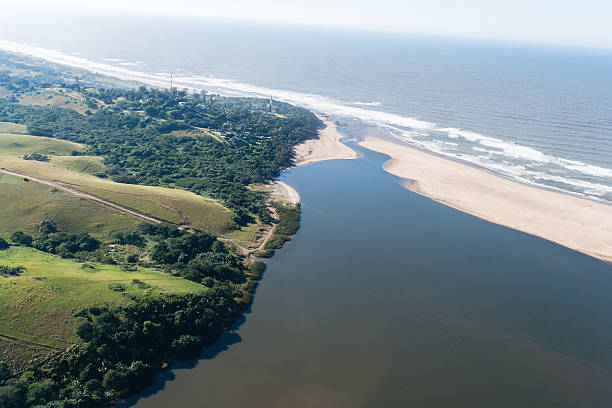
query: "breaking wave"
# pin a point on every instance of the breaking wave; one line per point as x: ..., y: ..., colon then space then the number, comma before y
x: 513, y: 160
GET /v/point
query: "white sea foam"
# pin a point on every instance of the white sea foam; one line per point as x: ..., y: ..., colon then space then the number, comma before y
x: 316, y: 102
x: 589, y: 169
x: 417, y: 132
x: 594, y: 188
x: 508, y: 149
x: 367, y: 103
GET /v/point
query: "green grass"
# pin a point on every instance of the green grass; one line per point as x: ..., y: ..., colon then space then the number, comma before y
x: 82, y: 164
x: 42, y: 310
x: 172, y: 205
x: 30, y: 202
x: 66, y: 99
x: 250, y: 236
x: 16, y: 145
x: 8, y: 127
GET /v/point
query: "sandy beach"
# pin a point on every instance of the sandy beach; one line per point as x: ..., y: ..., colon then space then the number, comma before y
x: 579, y: 224
x: 284, y: 192
x: 327, y: 147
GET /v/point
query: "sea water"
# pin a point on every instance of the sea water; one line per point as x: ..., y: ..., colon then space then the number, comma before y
x: 533, y: 113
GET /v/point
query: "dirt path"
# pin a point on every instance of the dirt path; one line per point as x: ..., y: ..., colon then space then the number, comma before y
x: 246, y: 251
x: 106, y: 203
x: 86, y: 196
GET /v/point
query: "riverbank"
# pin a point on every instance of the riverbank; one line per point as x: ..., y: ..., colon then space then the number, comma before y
x: 327, y: 147
x: 284, y: 193
x: 576, y: 223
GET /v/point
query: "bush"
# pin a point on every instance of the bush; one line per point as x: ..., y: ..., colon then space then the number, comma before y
x: 85, y: 329
x: 117, y: 286
x: 39, y: 392
x: 46, y: 226
x: 5, y: 371
x: 256, y: 268
x: 19, y: 237
x: 64, y: 244
x: 10, y: 397
x: 36, y: 157
x: 4, y: 244
x: 11, y: 270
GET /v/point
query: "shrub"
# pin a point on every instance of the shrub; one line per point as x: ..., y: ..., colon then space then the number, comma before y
x: 19, y: 237
x: 10, y: 397
x: 11, y: 270
x: 3, y: 244
x: 117, y: 286
x: 5, y: 371
x: 46, y: 226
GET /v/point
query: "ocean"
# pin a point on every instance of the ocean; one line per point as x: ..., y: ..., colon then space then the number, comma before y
x: 537, y: 114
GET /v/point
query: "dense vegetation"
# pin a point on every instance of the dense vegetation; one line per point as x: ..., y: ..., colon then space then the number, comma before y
x: 121, y: 349
x: 209, y: 145
x: 135, y: 131
x: 288, y: 224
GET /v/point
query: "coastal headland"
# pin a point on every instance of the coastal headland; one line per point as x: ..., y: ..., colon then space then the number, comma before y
x: 580, y: 224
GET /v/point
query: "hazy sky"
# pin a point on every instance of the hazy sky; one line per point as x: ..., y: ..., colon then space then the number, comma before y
x: 582, y: 22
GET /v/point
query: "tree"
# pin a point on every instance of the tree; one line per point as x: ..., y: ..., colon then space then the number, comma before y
x: 19, y: 237
x: 39, y: 392
x: 85, y: 329
x: 140, y: 375
x: 114, y: 380
x: 187, y: 346
x: 46, y: 227
x: 10, y: 397
x: 5, y: 371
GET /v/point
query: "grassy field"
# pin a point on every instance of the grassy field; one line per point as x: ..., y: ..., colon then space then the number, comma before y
x: 16, y: 145
x: 249, y: 237
x: 37, y: 307
x: 91, y: 165
x: 30, y: 202
x: 56, y: 98
x: 8, y: 127
x: 172, y: 205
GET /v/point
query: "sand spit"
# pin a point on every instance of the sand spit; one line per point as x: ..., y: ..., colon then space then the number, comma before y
x: 574, y: 222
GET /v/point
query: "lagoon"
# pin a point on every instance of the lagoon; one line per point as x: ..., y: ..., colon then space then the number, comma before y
x: 386, y: 298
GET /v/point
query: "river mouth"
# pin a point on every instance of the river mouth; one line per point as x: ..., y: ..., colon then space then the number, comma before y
x: 386, y: 298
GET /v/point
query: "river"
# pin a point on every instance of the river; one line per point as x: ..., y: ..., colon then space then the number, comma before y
x: 385, y: 298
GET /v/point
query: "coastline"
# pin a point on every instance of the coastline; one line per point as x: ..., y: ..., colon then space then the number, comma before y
x: 327, y: 147
x: 579, y: 224
x: 283, y: 192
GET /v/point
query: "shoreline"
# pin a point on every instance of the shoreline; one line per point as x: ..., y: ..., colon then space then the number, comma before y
x: 285, y: 193
x: 327, y: 147
x: 576, y: 223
